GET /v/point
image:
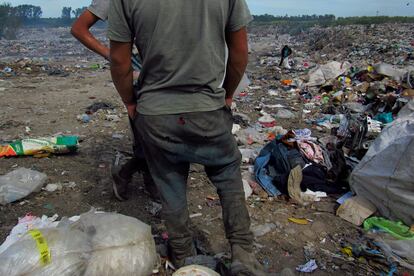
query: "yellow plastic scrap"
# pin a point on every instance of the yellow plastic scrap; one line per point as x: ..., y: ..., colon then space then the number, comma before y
x: 347, y: 251
x: 370, y: 69
x: 301, y: 221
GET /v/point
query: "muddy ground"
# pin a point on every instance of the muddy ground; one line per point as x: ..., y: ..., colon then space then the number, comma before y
x: 49, y: 104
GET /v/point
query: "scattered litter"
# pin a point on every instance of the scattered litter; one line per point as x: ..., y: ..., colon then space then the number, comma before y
x: 356, y: 210
x: 85, y: 118
x: 285, y: 114
x: 267, y: 121
x: 309, y: 267
x: 397, y: 229
x: 97, y: 106
x: 118, y: 136
x: 195, y: 215
x: 247, y: 189
x: 343, y: 198
x: 301, y: 221
x: 53, y: 187
x: 263, y: 229
x: 154, y: 208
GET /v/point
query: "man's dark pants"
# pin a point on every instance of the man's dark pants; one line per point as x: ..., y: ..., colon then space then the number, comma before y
x: 171, y: 143
x: 137, y: 162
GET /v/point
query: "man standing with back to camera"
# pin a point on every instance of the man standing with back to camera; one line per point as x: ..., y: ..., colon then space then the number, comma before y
x: 182, y: 106
x: 121, y: 175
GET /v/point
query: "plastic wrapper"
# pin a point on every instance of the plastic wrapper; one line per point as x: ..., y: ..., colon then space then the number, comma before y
x: 40, y: 146
x: 69, y: 252
x: 121, y: 245
x: 244, y: 83
x: 19, y: 184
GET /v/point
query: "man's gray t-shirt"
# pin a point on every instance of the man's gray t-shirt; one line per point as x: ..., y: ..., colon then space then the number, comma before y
x: 100, y: 8
x: 183, y: 49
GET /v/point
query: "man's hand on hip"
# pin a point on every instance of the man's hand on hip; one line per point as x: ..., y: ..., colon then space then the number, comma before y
x: 132, y: 110
x: 229, y: 101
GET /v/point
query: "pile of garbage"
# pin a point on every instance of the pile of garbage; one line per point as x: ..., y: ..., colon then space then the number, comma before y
x: 335, y: 121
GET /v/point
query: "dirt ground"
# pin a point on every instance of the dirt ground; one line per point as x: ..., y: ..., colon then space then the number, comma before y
x: 50, y: 104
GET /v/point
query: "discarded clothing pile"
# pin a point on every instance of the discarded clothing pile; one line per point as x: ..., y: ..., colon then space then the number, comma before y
x: 323, y: 164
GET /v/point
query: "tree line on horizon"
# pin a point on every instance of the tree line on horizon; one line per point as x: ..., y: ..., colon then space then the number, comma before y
x: 12, y: 18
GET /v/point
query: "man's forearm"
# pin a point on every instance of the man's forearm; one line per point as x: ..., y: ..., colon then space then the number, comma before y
x: 237, y: 61
x: 80, y: 30
x: 122, y: 78
x: 92, y: 43
x: 234, y: 74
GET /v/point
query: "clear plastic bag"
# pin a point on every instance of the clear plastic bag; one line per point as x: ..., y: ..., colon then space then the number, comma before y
x: 20, y: 183
x: 121, y: 245
x: 69, y: 253
x: 96, y: 244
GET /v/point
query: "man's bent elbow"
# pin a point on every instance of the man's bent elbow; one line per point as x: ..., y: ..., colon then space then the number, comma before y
x: 75, y: 31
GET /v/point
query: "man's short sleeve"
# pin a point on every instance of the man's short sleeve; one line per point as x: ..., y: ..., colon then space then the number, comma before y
x: 239, y: 15
x: 118, y: 27
x: 100, y: 8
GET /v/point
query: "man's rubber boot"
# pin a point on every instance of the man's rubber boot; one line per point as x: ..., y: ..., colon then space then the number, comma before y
x: 180, y: 242
x: 120, y: 185
x: 244, y: 263
x: 179, y: 260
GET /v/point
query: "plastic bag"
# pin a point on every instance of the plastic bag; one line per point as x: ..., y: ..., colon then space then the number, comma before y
x: 121, y: 245
x: 68, y: 250
x: 285, y: 114
x: 40, y: 146
x: 19, y: 184
x: 244, y: 83
x: 25, y: 224
x: 96, y: 244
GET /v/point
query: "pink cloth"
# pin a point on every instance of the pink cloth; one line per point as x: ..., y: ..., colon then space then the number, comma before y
x: 311, y: 151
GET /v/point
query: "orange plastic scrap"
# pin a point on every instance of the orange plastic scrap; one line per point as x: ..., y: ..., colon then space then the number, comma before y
x: 7, y: 151
x: 286, y: 82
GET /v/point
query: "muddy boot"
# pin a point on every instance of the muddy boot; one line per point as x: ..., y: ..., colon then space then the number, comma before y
x: 180, y: 243
x: 286, y: 272
x: 131, y: 167
x: 120, y: 185
x: 244, y: 263
x: 178, y: 259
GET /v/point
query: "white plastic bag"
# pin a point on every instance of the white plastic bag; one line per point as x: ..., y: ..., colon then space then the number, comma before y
x: 69, y: 252
x: 121, y: 245
x: 20, y: 183
x: 25, y: 224
x: 244, y: 83
x: 95, y: 244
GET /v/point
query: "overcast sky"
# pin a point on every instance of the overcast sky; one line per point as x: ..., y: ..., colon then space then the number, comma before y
x: 52, y: 8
